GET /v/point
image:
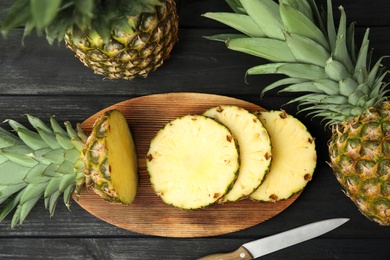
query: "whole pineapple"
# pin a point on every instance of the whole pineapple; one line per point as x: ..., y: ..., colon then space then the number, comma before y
x: 322, y: 61
x: 120, y: 39
x: 52, y: 161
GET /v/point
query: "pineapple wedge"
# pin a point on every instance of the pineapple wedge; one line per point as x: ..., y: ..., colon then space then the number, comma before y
x: 254, y: 147
x: 293, y: 157
x: 111, y: 159
x: 192, y: 162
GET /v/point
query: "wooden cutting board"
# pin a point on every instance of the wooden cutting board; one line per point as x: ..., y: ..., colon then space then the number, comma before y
x: 148, y: 214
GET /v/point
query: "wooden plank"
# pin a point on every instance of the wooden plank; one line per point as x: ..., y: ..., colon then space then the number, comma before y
x: 164, y: 249
x: 195, y: 65
x: 41, y: 69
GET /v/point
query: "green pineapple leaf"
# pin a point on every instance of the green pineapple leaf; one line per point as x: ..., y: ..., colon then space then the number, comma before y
x: 306, y: 50
x: 25, y: 209
x: 240, y: 22
x: 51, y: 202
x: 36, y: 174
x: 17, y: 15
x: 331, y: 28
x: 52, y: 187
x: 294, y: 70
x: 236, y: 6
x: 329, y: 86
x: 44, y: 11
x: 301, y: 6
x: 336, y: 70
x: 285, y: 81
x: 340, y: 52
x: 296, y: 22
x: 224, y: 37
x: 266, y: 15
x: 34, y: 165
x: 270, y: 49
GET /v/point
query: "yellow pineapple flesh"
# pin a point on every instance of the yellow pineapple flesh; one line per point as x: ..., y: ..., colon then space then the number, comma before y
x: 254, y: 146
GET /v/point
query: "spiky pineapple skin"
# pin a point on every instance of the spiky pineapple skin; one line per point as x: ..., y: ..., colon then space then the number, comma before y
x: 359, y: 151
x: 127, y: 56
x: 97, y: 175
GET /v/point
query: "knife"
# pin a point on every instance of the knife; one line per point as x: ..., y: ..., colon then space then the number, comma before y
x: 267, y: 245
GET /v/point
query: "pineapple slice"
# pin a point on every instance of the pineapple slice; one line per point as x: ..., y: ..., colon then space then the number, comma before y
x: 111, y: 159
x: 254, y: 147
x: 192, y: 162
x: 293, y: 157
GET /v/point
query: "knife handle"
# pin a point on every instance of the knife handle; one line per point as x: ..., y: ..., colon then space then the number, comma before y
x: 241, y: 253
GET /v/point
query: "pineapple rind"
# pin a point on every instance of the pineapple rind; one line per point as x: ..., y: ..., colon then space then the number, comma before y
x: 293, y: 157
x: 360, y: 158
x: 254, y: 146
x: 192, y: 162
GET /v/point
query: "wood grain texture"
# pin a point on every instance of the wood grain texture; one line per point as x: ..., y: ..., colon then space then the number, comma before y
x: 44, y: 80
x: 189, y: 249
x: 148, y: 214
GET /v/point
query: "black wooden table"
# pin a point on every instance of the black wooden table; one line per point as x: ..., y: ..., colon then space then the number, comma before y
x: 44, y: 80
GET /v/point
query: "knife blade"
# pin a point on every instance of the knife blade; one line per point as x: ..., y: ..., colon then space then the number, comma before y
x: 267, y: 245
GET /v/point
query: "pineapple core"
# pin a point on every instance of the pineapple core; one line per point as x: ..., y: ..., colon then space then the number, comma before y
x: 122, y: 158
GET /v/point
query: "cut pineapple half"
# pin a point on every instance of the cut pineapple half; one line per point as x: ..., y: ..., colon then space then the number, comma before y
x: 293, y: 157
x: 111, y: 159
x: 192, y: 162
x: 254, y: 148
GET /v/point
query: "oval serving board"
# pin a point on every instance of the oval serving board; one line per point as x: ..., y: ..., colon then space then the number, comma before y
x: 148, y: 214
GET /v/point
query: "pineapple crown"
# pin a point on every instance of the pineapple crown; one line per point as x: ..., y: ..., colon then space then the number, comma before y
x: 304, y: 44
x: 55, y: 18
x: 43, y: 163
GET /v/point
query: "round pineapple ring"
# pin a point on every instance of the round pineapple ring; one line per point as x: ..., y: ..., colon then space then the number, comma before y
x: 254, y: 146
x: 294, y: 157
x: 192, y: 162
